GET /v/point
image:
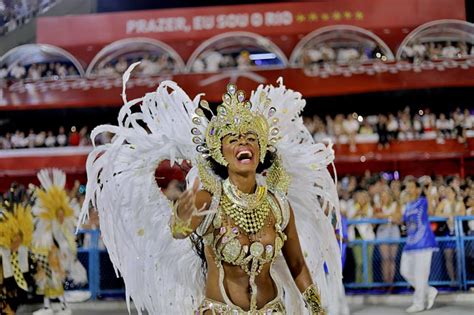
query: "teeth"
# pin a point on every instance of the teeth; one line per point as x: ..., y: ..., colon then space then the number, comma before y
x: 244, y: 152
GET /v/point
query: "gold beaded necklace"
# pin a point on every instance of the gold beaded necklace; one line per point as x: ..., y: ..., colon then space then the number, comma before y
x: 249, y: 211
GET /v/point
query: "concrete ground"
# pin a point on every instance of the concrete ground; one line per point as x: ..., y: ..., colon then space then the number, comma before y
x: 453, y: 304
x: 355, y: 310
x: 396, y: 310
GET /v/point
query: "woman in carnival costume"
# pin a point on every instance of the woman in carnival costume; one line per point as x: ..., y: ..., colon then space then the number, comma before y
x: 16, y: 233
x: 254, y: 212
x: 54, y: 244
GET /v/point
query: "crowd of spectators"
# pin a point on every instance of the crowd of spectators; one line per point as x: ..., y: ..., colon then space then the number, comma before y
x: 48, y: 139
x: 419, y: 52
x: 213, y: 61
x: 37, y: 71
x: 385, y: 128
x: 327, y: 56
x: 382, y: 196
x: 14, y: 13
x: 150, y: 64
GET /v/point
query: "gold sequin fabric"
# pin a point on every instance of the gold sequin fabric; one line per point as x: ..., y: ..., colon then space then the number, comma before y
x: 275, y: 307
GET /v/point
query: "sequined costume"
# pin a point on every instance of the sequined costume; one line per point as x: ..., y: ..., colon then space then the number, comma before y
x: 16, y: 230
x: 164, y: 275
x: 54, y: 246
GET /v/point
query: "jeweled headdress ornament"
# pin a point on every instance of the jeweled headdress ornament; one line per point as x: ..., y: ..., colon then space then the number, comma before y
x: 234, y: 116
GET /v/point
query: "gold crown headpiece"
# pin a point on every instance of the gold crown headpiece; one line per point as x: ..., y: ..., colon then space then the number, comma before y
x: 234, y: 116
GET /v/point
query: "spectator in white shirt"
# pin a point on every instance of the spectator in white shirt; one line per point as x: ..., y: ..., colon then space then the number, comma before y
x: 50, y: 140
x: 419, y: 51
x: 417, y: 126
x: 6, y: 142
x: 40, y: 138
x: 445, y: 126
x: 33, y: 73
x: 351, y: 127
x: 3, y: 74
x: 428, y: 121
x: 31, y: 139
x: 108, y: 71
x: 449, y: 51
x: 408, y: 52
x: 61, y: 70
x: 213, y: 60
x: 314, y: 55
x: 468, y: 120
x: 361, y: 209
x: 149, y: 66
x: 18, y: 72
x: 16, y: 140
x: 406, y: 130
x: 61, y: 138
x: 198, y: 65
x: 329, y: 55
x: 392, y: 127
x: 319, y: 134
x: 121, y: 65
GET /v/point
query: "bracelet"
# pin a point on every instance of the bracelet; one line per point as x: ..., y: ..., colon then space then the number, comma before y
x: 177, y: 225
x: 313, y: 300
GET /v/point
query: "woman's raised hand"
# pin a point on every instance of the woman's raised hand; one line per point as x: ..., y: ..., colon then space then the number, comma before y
x: 187, y: 202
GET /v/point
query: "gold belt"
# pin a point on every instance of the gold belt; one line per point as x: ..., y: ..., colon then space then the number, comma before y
x: 274, y: 307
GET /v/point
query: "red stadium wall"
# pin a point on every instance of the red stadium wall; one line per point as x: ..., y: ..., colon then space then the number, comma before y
x: 283, y: 23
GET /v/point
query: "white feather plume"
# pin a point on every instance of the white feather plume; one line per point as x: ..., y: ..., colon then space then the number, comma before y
x: 311, y: 190
x: 163, y: 275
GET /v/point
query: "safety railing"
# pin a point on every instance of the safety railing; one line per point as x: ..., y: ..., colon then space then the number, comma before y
x: 465, y: 226
x: 378, y: 262
x: 102, y: 280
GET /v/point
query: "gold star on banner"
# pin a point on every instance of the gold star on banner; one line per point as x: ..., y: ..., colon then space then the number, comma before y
x: 325, y: 17
x: 312, y: 17
x: 300, y: 18
x: 347, y: 15
x: 359, y: 15
x: 336, y: 16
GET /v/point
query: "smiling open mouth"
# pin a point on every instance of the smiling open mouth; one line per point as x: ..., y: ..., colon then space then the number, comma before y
x: 244, y: 156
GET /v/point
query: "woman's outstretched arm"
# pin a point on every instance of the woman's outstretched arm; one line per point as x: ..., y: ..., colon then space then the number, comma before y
x: 300, y: 272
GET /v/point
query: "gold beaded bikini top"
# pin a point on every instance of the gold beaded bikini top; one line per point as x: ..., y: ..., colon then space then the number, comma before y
x: 248, y: 214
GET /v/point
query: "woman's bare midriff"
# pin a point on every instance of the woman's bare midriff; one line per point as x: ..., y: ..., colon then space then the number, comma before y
x: 236, y: 284
x: 236, y: 280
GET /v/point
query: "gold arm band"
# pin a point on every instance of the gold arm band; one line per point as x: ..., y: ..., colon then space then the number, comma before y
x: 177, y: 225
x: 313, y: 300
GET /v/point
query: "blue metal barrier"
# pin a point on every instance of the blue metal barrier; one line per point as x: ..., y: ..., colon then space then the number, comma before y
x: 466, y: 251
x: 460, y: 246
x: 102, y: 279
x: 101, y: 274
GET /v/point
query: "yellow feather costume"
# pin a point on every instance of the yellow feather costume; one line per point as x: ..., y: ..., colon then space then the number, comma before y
x: 16, y: 233
x: 54, y: 244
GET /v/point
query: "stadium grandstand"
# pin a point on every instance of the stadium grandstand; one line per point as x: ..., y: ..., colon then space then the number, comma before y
x: 388, y: 87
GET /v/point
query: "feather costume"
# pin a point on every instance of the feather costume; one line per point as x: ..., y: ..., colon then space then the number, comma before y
x: 164, y: 275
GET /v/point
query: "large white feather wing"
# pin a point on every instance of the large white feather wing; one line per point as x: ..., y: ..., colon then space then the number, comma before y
x: 162, y: 275
x: 311, y: 190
